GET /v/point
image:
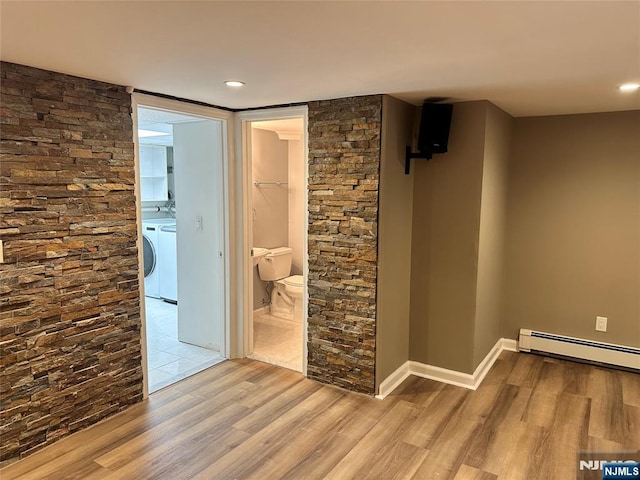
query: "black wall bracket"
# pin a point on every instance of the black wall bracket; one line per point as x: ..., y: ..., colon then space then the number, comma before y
x: 409, y: 156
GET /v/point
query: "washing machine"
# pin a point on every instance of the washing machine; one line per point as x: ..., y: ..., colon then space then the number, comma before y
x: 151, y: 254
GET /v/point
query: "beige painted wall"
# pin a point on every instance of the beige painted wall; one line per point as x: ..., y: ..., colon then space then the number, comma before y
x: 445, y: 233
x: 394, y: 239
x: 573, y: 226
x: 488, y: 331
x: 270, y: 202
x: 297, y: 206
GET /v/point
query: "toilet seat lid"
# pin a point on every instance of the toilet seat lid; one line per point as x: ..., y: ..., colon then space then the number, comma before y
x: 294, y: 281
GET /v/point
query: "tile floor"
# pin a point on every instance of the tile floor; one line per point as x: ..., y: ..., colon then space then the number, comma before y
x: 168, y: 359
x: 277, y: 341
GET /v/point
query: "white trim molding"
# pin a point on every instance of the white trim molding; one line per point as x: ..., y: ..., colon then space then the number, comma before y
x: 227, y: 348
x: 509, y: 344
x: 262, y: 310
x: 394, y: 380
x: 452, y: 377
x: 242, y: 207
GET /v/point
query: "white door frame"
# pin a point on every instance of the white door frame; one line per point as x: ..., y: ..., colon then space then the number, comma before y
x: 230, y: 250
x: 243, y: 126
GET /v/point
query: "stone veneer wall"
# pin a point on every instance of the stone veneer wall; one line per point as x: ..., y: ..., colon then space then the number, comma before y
x: 344, y: 163
x: 70, y: 317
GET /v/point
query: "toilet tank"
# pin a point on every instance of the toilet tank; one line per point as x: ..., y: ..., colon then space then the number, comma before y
x: 276, y: 264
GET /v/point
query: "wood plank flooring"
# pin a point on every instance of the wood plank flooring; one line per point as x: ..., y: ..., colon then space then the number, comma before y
x: 243, y: 419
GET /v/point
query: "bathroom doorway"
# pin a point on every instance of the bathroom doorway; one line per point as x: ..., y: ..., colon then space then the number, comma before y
x: 181, y: 171
x: 275, y: 154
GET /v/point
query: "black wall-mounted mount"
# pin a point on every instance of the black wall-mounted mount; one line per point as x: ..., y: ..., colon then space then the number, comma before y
x: 408, y: 156
x: 435, y: 122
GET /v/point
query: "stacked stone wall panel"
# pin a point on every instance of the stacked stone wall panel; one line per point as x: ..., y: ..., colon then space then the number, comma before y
x: 70, y: 351
x: 344, y: 165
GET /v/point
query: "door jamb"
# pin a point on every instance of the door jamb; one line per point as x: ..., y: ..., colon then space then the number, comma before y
x: 229, y: 243
x: 242, y: 125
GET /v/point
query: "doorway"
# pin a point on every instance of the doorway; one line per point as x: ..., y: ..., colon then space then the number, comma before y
x: 275, y: 184
x: 181, y: 158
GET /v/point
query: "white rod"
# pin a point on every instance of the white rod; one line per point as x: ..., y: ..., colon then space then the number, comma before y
x: 257, y: 183
x: 155, y: 209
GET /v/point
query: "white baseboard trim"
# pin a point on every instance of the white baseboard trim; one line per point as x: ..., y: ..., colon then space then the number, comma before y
x: 452, y: 377
x: 394, y: 380
x: 509, y: 344
x: 261, y: 310
x: 486, y: 364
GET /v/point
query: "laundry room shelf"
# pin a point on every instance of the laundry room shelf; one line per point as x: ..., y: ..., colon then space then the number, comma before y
x: 153, y: 173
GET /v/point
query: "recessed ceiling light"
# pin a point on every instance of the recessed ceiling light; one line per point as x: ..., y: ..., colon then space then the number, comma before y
x: 150, y: 133
x: 629, y: 87
x: 233, y: 83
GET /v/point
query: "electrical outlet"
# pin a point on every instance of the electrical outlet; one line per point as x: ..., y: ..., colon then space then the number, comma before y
x: 601, y: 324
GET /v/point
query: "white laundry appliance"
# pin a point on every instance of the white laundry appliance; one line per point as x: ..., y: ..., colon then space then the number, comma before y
x: 151, y: 254
x: 169, y: 264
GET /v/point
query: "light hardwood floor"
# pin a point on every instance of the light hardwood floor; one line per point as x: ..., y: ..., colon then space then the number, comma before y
x: 243, y: 419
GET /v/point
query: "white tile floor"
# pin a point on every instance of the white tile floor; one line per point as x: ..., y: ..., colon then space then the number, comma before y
x: 277, y: 341
x: 168, y: 359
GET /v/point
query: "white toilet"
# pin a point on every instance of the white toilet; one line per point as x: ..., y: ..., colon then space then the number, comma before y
x: 274, y: 265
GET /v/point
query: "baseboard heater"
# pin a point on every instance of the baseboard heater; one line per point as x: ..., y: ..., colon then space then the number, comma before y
x: 577, y: 348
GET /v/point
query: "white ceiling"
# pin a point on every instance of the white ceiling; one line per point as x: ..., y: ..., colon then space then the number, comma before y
x: 155, y: 120
x: 530, y: 58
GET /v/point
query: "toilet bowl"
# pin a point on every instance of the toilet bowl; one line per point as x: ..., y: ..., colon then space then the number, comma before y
x: 288, y: 290
x: 286, y: 298
x: 294, y: 285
